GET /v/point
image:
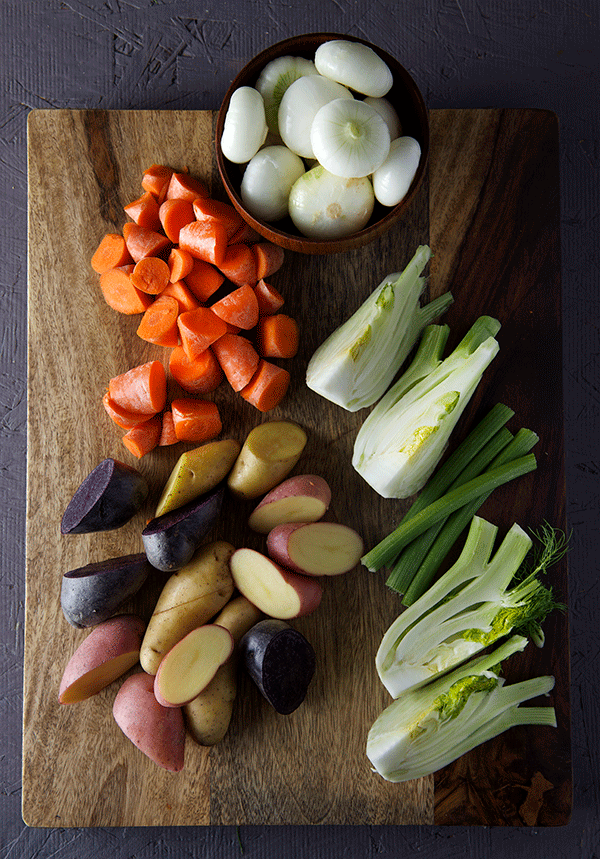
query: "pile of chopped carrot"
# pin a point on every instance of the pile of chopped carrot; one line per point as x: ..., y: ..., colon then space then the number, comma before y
x: 181, y: 247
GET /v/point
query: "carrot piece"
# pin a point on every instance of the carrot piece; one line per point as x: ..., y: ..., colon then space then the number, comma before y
x: 180, y: 264
x: 167, y: 432
x: 111, y: 253
x: 200, y: 376
x: 151, y: 275
x: 199, y: 329
x: 159, y: 322
x: 126, y: 420
x: 238, y: 359
x: 156, y: 178
x: 269, y: 299
x: 246, y: 234
x: 239, y: 308
x: 267, y: 387
x: 269, y: 259
x: 205, y: 240
x: 175, y: 214
x: 204, y: 279
x: 196, y: 420
x: 239, y: 264
x: 120, y: 293
x: 182, y: 186
x: 232, y: 329
x: 142, y: 389
x: 207, y: 209
x: 142, y: 242
x: 182, y: 296
x: 278, y: 336
x: 142, y: 439
x: 144, y: 211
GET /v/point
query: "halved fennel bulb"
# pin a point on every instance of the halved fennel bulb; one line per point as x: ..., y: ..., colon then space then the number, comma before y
x: 349, y: 138
x: 324, y: 206
x: 267, y: 182
x: 275, y: 78
x: 299, y: 106
x: 355, y: 65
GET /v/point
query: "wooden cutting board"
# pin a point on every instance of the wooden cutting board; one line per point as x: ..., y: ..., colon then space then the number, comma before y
x: 490, y: 210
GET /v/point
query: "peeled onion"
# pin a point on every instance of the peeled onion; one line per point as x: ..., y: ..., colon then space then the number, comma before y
x: 355, y: 65
x: 275, y: 78
x: 349, y: 138
x: 245, y: 126
x: 324, y: 206
x: 267, y: 182
x: 298, y: 108
x: 388, y: 113
x: 392, y: 180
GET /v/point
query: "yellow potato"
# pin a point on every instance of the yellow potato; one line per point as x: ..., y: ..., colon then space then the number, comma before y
x: 190, y: 598
x: 268, y: 455
x: 196, y: 472
x: 209, y: 714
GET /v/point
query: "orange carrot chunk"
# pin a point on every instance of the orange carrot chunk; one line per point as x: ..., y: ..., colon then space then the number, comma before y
x: 238, y: 359
x: 142, y: 389
x: 267, y: 387
x: 167, y: 432
x: 156, y: 178
x: 205, y: 240
x: 182, y: 296
x: 269, y: 259
x: 151, y: 275
x: 142, y: 439
x: 111, y: 253
x: 159, y: 322
x: 196, y: 420
x: 204, y: 279
x: 246, y: 234
x: 269, y: 299
x: 239, y: 308
x: 207, y: 209
x: 182, y: 186
x: 124, y: 419
x: 175, y: 214
x: 180, y: 264
x: 198, y: 329
x: 144, y: 211
x: 278, y: 336
x: 200, y: 376
x: 142, y: 242
x: 239, y: 264
x: 120, y: 293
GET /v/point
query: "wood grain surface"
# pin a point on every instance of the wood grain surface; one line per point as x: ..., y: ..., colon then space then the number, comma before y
x: 490, y: 212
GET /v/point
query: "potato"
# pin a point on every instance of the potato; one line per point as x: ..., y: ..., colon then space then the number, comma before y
x: 191, y: 664
x: 158, y: 732
x: 304, y: 498
x: 190, y: 598
x: 196, y: 472
x: 111, y: 649
x: 315, y: 548
x: 278, y: 592
x: 209, y: 714
x: 268, y: 455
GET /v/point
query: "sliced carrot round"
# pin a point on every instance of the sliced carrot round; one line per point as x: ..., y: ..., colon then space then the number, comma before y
x: 200, y: 376
x: 159, y: 322
x: 151, y: 275
x: 111, y: 253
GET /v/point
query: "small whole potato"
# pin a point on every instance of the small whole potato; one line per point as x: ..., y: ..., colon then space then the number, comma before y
x: 268, y: 455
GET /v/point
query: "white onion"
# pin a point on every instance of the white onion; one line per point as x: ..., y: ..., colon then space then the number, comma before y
x: 267, y: 182
x: 392, y: 180
x: 349, y: 138
x: 388, y: 113
x: 355, y: 65
x: 298, y: 107
x: 324, y: 206
x: 275, y: 78
x: 245, y: 127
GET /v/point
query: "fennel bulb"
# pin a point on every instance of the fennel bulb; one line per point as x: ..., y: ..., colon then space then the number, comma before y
x: 402, y: 440
x: 426, y: 729
x: 355, y: 365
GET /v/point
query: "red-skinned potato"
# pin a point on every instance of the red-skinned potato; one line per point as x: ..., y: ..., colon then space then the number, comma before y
x: 191, y: 664
x: 315, y: 548
x: 304, y: 498
x: 157, y: 731
x: 110, y: 650
x: 276, y: 591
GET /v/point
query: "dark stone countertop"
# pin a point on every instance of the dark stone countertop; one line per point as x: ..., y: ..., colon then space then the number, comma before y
x: 172, y: 54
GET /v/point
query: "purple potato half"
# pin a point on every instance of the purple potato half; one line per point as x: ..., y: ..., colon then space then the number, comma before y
x: 108, y: 498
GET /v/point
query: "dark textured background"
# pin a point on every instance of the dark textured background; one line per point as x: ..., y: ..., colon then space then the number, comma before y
x: 173, y: 55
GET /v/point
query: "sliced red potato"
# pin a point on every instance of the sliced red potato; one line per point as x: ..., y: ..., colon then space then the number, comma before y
x: 191, y: 664
x: 111, y: 649
x: 304, y: 498
x: 315, y: 548
x: 276, y: 591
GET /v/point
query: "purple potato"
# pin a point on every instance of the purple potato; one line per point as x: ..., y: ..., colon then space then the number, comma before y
x: 92, y: 594
x: 108, y: 498
x: 280, y: 661
x: 170, y: 540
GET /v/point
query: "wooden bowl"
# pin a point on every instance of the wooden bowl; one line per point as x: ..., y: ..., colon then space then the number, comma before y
x: 404, y: 96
